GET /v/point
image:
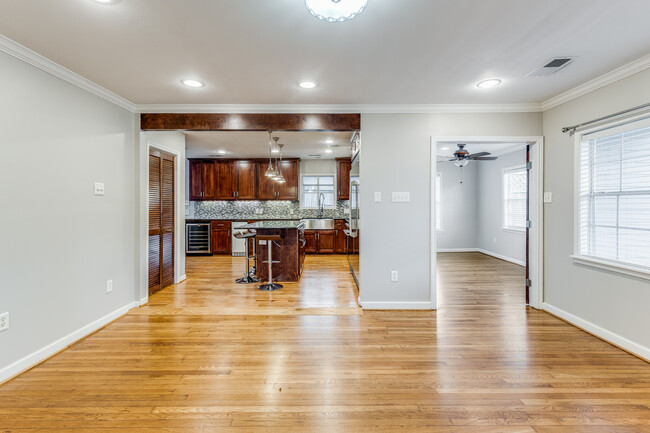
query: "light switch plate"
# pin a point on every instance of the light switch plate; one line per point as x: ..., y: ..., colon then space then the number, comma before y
x: 401, y: 197
x: 99, y: 188
x: 109, y: 286
x: 4, y: 321
x: 394, y: 276
x: 548, y: 197
x: 378, y: 197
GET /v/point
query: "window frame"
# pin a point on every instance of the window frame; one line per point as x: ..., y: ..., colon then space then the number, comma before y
x: 303, y: 175
x: 504, y: 226
x: 578, y: 258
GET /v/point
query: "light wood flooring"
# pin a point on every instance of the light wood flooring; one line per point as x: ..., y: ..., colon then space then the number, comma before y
x: 208, y: 355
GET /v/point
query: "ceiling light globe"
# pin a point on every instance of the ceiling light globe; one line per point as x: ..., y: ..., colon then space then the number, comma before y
x: 192, y: 83
x: 307, y: 84
x: 335, y: 11
x: 488, y: 84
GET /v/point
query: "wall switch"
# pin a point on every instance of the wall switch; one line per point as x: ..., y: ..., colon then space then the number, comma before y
x: 378, y: 197
x: 99, y: 188
x: 494, y: 240
x: 109, y: 286
x: 548, y: 197
x: 4, y: 321
x: 401, y: 197
x: 394, y: 276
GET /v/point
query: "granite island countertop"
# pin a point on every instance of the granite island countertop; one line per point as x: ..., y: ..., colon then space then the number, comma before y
x: 282, y: 224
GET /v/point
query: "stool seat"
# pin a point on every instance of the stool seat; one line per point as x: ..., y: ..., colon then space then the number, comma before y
x: 245, y: 235
x: 269, y: 238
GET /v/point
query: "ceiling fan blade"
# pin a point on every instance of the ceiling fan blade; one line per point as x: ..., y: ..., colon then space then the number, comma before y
x: 483, y: 158
x: 455, y: 159
x: 478, y: 154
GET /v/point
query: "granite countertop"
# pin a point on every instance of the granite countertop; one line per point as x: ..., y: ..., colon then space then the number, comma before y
x: 284, y: 224
x: 240, y: 219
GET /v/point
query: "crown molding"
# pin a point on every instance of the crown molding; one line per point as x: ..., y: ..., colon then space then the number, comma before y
x: 617, y: 74
x: 340, y: 108
x: 23, y: 53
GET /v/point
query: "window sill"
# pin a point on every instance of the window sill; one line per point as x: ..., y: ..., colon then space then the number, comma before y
x: 620, y: 268
x: 509, y: 230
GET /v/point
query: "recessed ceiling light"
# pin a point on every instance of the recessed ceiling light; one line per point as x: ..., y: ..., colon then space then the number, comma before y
x: 486, y: 84
x: 328, y: 150
x: 335, y: 10
x: 192, y: 83
x: 106, y: 2
x: 275, y: 151
x: 221, y: 152
x: 307, y: 84
x: 444, y: 148
x: 329, y: 141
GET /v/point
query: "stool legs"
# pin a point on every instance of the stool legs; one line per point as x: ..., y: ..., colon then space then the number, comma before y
x: 248, y: 275
x: 270, y: 285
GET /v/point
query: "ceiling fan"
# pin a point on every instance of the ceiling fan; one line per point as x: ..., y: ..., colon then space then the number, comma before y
x: 462, y: 156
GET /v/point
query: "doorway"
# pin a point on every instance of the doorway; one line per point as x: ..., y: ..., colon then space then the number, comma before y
x: 161, y: 220
x: 508, y: 223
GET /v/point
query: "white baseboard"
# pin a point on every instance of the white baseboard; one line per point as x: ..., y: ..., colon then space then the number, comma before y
x: 395, y: 305
x: 143, y: 301
x: 181, y: 279
x: 631, y: 346
x: 457, y: 250
x: 52, y: 348
x: 499, y: 256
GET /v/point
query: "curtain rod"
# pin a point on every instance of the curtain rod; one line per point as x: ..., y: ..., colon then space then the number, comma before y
x: 572, y: 129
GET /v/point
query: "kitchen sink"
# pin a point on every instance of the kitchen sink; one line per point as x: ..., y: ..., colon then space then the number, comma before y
x: 319, y: 224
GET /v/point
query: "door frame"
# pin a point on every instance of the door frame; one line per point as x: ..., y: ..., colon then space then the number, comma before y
x: 535, y: 209
x: 179, y: 186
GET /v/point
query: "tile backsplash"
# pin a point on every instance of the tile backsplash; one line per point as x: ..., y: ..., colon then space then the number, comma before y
x: 270, y: 210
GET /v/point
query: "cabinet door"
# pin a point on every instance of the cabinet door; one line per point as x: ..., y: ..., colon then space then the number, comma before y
x: 289, y: 189
x: 196, y: 180
x: 265, y: 186
x: 225, y: 180
x: 341, y: 246
x: 343, y: 167
x: 311, y: 246
x: 246, y: 180
x: 326, y: 240
x: 209, y: 180
x: 221, y: 240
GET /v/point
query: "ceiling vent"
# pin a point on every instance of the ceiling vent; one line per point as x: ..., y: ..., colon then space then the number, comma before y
x: 314, y: 155
x: 551, y: 67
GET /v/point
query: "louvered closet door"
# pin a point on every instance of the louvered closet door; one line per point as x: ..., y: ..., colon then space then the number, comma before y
x: 161, y: 220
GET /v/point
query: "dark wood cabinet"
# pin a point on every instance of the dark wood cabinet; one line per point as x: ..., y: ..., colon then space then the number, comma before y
x: 341, y: 239
x: 203, y: 182
x: 311, y: 245
x: 225, y: 173
x: 265, y: 186
x: 245, y: 180
x: 343, y: 166
x: 268, y: 189
x: 320, y: 241
x: 221, y: 240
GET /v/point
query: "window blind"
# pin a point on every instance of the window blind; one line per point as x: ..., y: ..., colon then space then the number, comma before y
x: 514, y: 198
x: 614, y: 188
x: 313, y: 186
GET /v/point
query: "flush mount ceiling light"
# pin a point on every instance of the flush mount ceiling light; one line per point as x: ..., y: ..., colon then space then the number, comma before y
x: 192, y: 83
x: 335, y: 11
x: 106, y: 2
x: 444, y: 148
x: 488, y: 84
x: 307, y: 84
x: 329, y: 141
x: 328, y: 150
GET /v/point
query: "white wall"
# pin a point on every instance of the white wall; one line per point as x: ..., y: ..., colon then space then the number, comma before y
x: 395, y: 156
x: 60, y: 243
x: 492, y: 238
x: 459, y: 207
x: 612, y: 305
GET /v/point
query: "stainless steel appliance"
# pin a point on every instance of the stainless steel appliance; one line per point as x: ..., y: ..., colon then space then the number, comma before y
x: 353, y: 227
x: 197, y: 238
x: 238, y: 245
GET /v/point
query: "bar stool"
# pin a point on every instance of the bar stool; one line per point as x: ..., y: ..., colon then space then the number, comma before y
x: 248, y: 274
x: 269, y: 242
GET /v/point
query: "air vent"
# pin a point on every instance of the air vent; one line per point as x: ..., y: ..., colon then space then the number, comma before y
x: 551, y: 67
x: 314, y: 155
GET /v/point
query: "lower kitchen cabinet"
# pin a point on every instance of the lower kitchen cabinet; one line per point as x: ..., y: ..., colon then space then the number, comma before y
x: 320, y: 241
x: 221, y: 239
x: 341, y: 239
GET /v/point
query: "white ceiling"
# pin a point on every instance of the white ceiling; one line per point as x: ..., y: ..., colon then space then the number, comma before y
x: 205, y: 144
x: 446, y: 149
x: 395, y: 52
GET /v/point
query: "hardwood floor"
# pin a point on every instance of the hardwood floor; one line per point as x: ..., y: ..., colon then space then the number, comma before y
x: 208, y: 355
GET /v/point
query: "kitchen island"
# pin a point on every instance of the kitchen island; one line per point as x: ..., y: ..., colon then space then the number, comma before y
x: 289, y: 252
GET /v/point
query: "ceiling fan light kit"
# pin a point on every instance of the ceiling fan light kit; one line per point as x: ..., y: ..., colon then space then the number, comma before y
x: 335, y: 11
x: 462, y: 157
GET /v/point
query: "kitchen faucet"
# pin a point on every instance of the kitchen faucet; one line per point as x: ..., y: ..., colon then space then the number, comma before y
x: 321, y: 203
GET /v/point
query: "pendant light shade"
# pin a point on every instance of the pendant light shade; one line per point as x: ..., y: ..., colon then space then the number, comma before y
x: 461, y: 163
x: 280, y: 178
x: 335, y: 10
x: 270, y: 172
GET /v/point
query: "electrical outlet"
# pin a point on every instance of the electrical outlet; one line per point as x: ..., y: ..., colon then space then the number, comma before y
x: 109, y: 286
x: 378, y: 197
x: 99, y: 188
x: 394, y: 276
x: 401, y: 197
x: 548, y: 197
x: 4, y: 321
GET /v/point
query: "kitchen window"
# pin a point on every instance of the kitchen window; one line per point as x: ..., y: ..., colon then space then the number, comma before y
x: 438, y: 201
x: 613, y: 198
x: 514, y: 198
x: 313, y: 186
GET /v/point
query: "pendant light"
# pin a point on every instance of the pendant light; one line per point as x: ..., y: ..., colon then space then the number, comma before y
x: 270, y: 172
x: 280, y: 178
x: 276, y: 173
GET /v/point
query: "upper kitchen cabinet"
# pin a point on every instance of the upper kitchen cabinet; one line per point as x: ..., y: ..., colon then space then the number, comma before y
x: 268, y: 189
x: 203, y: 182
x: 225, y: 180
x: 343, y: 166
x: 245, y: 180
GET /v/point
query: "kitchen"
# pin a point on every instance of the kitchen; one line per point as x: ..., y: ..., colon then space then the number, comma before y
x: 307, y: 180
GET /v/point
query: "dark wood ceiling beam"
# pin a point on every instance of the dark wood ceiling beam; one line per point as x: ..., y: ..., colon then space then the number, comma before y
x: 249, y: 122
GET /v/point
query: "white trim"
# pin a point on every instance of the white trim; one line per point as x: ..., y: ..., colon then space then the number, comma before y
x: 144, y: 300
x: 536, y: 211
x: 505, y: 170
x: 395, y: 305
x: 620, y: 268
x: 340, y: 108
x: 182, y: 278
x: 439, y: 200
x: 23, y: 53
x: 502, y: 257
x: 611, y: 77
x: 606, y: 335
x: 515, y: 231
x: 457, y: 250
x: 300, y: 185
x: 43, y: 353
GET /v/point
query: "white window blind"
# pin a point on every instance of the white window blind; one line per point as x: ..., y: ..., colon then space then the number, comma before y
x: 313, y: 186
x: 514, y: 198
x: 438, y: 201
x: 614, y: 188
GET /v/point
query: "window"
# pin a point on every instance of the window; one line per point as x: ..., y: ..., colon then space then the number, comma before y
x: 313, y: 187
x: 514, y: 198
x: 438, y: 201
x: 613, y: 214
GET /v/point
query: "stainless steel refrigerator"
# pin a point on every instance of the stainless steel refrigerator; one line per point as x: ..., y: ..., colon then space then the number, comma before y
x: 353, y: 223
